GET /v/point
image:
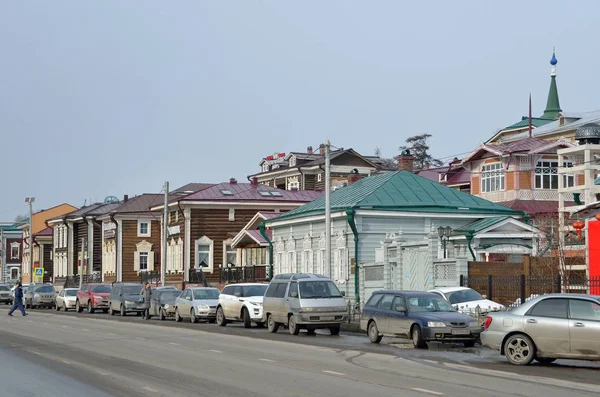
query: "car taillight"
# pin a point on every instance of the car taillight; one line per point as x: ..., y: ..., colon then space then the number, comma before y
x: 488, y: 322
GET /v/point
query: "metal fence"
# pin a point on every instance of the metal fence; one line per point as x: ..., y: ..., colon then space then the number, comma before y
x: 244, y: 274
x: 76, y: 280
x: 153, y: 277
x: 196, y: 276
x: 512, y: 291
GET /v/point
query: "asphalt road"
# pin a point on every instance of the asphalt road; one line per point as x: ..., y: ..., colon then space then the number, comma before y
x: 45, y: 354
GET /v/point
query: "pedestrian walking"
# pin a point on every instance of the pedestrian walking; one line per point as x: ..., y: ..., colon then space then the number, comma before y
x: 18, y: 301
x: 146, y: 292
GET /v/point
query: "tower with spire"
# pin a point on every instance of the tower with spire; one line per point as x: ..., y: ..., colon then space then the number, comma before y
x: 553, y: 104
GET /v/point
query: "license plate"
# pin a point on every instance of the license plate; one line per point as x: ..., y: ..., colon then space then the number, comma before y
x: 329, y: 318
x: 461, y: 332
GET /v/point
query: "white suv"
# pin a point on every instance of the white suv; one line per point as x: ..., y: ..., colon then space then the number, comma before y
x: 241, y: 302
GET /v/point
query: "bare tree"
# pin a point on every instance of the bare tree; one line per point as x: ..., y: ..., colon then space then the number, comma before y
x: 388, y: 163
x: 420, y: 149
x: 21, y: 218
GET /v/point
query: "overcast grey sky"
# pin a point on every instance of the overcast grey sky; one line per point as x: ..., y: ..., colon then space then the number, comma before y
x: 114, y: 97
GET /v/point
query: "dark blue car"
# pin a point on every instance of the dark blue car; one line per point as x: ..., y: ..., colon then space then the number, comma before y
x: 419, y: 316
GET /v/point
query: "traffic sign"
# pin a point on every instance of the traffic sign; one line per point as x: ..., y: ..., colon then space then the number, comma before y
x: 39, y: 272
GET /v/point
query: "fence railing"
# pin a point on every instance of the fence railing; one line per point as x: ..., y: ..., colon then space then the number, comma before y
x: 76, y: 280
x: 153, y: 277
x: 244, y: 274
x: 196, y: 276
x: 512, y: 291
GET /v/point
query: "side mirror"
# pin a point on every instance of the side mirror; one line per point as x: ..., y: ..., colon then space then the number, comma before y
x: 484, y: 296
x: 401, y: 309
x: 294, y: 294
x: 343, y: 293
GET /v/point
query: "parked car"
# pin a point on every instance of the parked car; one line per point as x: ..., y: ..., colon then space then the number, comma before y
x: 466, y: 300
x: 66, y: 299
x: 93, y: 297
x: 125, y: 298
x: 40, y: 295
x: 420, y: 316
x: 304, y: 301
x: 197, y: 304
x: 5, y: 295
x: 546, y: 328
x: 162, y: 302
x: 241, y: 302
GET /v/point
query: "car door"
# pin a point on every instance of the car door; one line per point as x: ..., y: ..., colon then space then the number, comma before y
x: 235, y: 302
x: 584, y: 324
x: 185, y: 303
x: 59, y: 298
x: 548, y: 325
x: 225, y: 299
x: 383, y: 314
x: 293, y: 301
x: 280, y: 311
x: 398, y: 322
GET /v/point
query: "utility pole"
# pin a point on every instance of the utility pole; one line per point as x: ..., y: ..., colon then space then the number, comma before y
x: 30, y: 200
x: 163, y: 254
x: 82, y: 261
x: 2, y: 254
x: 328, y: 206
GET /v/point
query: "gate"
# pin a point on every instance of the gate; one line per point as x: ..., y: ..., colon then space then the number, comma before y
x: 416, y: 267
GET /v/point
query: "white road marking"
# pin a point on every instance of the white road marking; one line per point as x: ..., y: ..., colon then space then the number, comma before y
x: 266, y: 360
x: 64, y: 326
x: 34, y: 352
x: 85, y: 329
x: 111, y: 334
x: 150, y: 389
x: 140, y: 338
x: 333, y: 373
x: 174, y: 344
x: 45, y: 323
x: 435, y: 393
x: 216, y: 351
x: 102, y: 373
x: 66, y: 362
x: 430, y: 361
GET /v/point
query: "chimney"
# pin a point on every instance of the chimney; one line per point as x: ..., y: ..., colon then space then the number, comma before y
x: 254, y: 181
x: 233, y: 180
x: 354, y: 176
x: 322, y: 148
x: 125, y: 198
x: 405, y: 161
x: 426, y: 166
x: 309, y: 150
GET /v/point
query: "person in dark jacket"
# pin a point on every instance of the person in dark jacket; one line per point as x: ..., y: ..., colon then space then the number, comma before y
x: 146, y: 293
x: 18, y: 303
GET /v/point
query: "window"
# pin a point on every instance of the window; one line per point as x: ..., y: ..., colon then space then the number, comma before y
x: 265, y: 167
x: 584, y: 310
x: 270, y: 291
x: 143, y: 261
x: 386, y: 302
x: 321, y: 262
x: 292, y: 265
x: 319, y: 177
x: 546, y: 175
x: 230, y: 254
x: 143, y: 229
x: 374, y: 300
x: 226, y: 192
x: 556, y: 308
x: 294, y: 185
x: 492, y: 177
x: 204, y: 254
x: 293, y: 288
x: 255, y: 256
x: 280, y: 291
x: 398, y: 301
x: 15, y: 250
x: 306, y: 262
x: 292, y: 161
x: 227, y: 290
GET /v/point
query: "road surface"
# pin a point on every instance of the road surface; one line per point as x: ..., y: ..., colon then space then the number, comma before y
x: 45, y: 354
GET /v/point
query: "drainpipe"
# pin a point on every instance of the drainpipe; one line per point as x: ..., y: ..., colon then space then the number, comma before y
x: 351, y: 221
x: 261, y: 227
x: 469, y: 236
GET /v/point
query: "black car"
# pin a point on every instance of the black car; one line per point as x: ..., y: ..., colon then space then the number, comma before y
x: 162, y: 302
x: 419, y: 316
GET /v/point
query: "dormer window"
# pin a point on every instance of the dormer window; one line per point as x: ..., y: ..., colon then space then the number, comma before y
x: 265, y: 167
x: 562, y: 121
x: 226, y: 192
x: 292, y: 161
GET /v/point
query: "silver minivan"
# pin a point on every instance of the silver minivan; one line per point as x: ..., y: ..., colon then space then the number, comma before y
x: 304, y: 301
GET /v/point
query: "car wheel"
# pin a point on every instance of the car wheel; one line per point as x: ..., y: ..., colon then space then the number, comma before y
x: 334, y: 330
x: 178, y: 318
x: 373, y: 332
x: 162, y: 315
x: 272, y: 325
x: 519, y: 349
x: 90, y: 308
x: 545, y: 360
x: 110, y: 309
x: 78, y: 307
x: 292, y: 326
x: 246, y: 317
x: 221, y: 320
x: 311, y: 331
x: 417, y: 337
x: 65, y: 307
x: 193, y: 318
x: 122, y: 310
x: 469, y: 343
x: 104, y: 310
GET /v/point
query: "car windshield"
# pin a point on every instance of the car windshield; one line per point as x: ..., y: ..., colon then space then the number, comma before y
x: 465, y: 295
x: 206, y: 293
x: 428, y: 304
x: 254, y: 290
x: 102, y: 289
x: 4, y: 288
x: 71, y: 292
x: 169, y: 296
x: 44, y: 289
x: 132, y: 289
x: 319, y: 289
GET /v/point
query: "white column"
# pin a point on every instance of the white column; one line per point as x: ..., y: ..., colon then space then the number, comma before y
x: 70, y: 249
x: 187, y: 242
x: 119, y: 258
x: 90, y: 242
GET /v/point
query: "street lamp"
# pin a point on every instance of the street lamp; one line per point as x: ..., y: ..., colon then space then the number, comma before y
x: 445, y: 233
x: 30, y: 201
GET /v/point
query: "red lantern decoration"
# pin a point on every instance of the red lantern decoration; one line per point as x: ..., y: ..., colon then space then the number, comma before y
x: 598, y: 216
x: 578, y: 226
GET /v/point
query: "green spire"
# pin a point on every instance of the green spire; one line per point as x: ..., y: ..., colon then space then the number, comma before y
x: 553, y: 104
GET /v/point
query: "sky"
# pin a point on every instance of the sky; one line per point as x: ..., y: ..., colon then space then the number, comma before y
x: 106, y: 98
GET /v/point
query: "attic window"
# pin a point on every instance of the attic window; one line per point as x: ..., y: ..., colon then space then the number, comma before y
x: 275, y: 193
x: 264, y: 193
x: 292, y: 161
x: 226, y: 192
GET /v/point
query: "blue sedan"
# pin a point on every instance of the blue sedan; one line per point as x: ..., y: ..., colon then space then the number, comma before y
x: 419, y: 316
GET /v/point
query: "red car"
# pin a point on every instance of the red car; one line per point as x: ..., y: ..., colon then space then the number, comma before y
x: 93, y: 297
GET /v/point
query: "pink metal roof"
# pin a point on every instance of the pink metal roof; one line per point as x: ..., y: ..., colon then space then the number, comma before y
x: 255, y: 234
x: 250, y: 192
x: 535, y: 207
x: 269, y: 215
x: 47, y: 232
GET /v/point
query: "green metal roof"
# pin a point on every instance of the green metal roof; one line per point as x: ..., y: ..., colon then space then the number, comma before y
x: 399, y: 191
x: 535, y: 122
x: 553, y: 104
x: 482, y: 224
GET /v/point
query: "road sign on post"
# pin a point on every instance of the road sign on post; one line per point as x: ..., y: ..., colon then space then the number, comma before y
x: 39, y: 272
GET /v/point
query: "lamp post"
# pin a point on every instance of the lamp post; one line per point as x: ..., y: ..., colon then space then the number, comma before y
x: 30, y: 201
x: 444, y: 233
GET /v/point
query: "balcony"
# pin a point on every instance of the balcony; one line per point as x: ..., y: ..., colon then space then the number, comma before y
x: 522, y: 194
